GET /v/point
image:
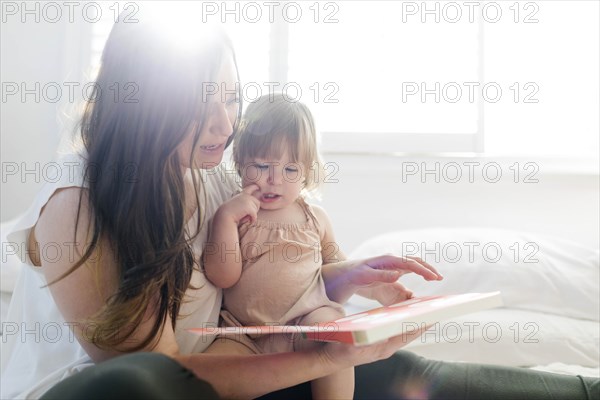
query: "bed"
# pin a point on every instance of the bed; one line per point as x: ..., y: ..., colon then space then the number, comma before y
x: 550, y: 289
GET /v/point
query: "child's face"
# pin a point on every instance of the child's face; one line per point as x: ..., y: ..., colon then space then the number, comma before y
x: 280, y: 181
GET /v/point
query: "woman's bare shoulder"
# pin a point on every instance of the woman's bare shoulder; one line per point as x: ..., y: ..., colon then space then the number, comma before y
x: 58, y: 220
x: 80, y: 293
x: 66, y: 198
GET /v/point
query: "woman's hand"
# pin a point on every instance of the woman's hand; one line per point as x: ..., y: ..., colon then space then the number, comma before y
x: 346, y: 355
x: 375, y: 278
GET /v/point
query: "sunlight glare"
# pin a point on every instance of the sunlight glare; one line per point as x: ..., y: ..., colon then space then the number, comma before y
x: 183, y: 24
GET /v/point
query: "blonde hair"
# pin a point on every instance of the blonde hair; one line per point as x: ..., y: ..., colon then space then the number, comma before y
x: 273, y: 124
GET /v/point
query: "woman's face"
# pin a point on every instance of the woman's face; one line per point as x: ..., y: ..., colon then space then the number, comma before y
x: 222, y: 111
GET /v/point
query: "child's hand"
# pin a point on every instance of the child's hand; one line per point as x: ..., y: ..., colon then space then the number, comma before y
x: 377, y: 278
x: 241, y: 207
x: 386, y: 293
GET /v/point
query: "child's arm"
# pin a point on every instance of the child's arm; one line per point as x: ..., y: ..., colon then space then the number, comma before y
x: 222, y: 253
x: 337, y: 284
x: 330, y: 251
x: 375, y: 278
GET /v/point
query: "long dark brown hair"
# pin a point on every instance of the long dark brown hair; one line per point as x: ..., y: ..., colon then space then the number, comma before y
x: 147, y: 99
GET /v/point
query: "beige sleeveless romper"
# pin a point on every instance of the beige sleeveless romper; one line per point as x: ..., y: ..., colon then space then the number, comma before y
x: 281, y: 281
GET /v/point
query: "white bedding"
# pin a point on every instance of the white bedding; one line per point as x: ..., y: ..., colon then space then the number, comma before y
x: 550, y: 318
x: 550, y: 321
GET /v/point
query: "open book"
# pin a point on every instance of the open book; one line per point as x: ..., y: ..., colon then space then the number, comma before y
x: 377, y: 324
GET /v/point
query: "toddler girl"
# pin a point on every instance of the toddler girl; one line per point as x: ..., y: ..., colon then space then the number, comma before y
x: 267, y: 245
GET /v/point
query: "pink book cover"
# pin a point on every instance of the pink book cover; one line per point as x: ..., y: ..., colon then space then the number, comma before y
x: 377, y: 324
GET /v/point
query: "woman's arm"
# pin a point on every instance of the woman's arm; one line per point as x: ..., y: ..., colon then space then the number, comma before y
x: 82, y: 293
x: 222, y: 254
x: 250, y: 376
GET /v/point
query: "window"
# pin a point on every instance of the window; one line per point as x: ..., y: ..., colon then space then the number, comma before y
x: 389, y: 71
x: 398, y: 76
x: 559, y: 54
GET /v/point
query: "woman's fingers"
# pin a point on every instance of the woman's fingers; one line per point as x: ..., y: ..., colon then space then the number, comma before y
x: 357, y: 355
x: 397, y: 342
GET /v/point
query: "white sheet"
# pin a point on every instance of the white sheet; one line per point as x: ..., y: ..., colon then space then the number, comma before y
x: 550, y: 321
x: 560, y: 368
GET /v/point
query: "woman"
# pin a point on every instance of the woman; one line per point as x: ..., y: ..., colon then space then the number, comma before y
x: 129, y: 229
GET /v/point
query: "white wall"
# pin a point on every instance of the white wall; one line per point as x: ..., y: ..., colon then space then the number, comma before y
x: 372, y: 197
x: 48, y: 54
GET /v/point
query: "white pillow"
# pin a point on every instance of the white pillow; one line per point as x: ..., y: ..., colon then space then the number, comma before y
x: 545, y: 274
x: 505, y: 336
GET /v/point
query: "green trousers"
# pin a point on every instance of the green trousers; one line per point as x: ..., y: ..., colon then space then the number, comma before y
x: 403, y: 376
